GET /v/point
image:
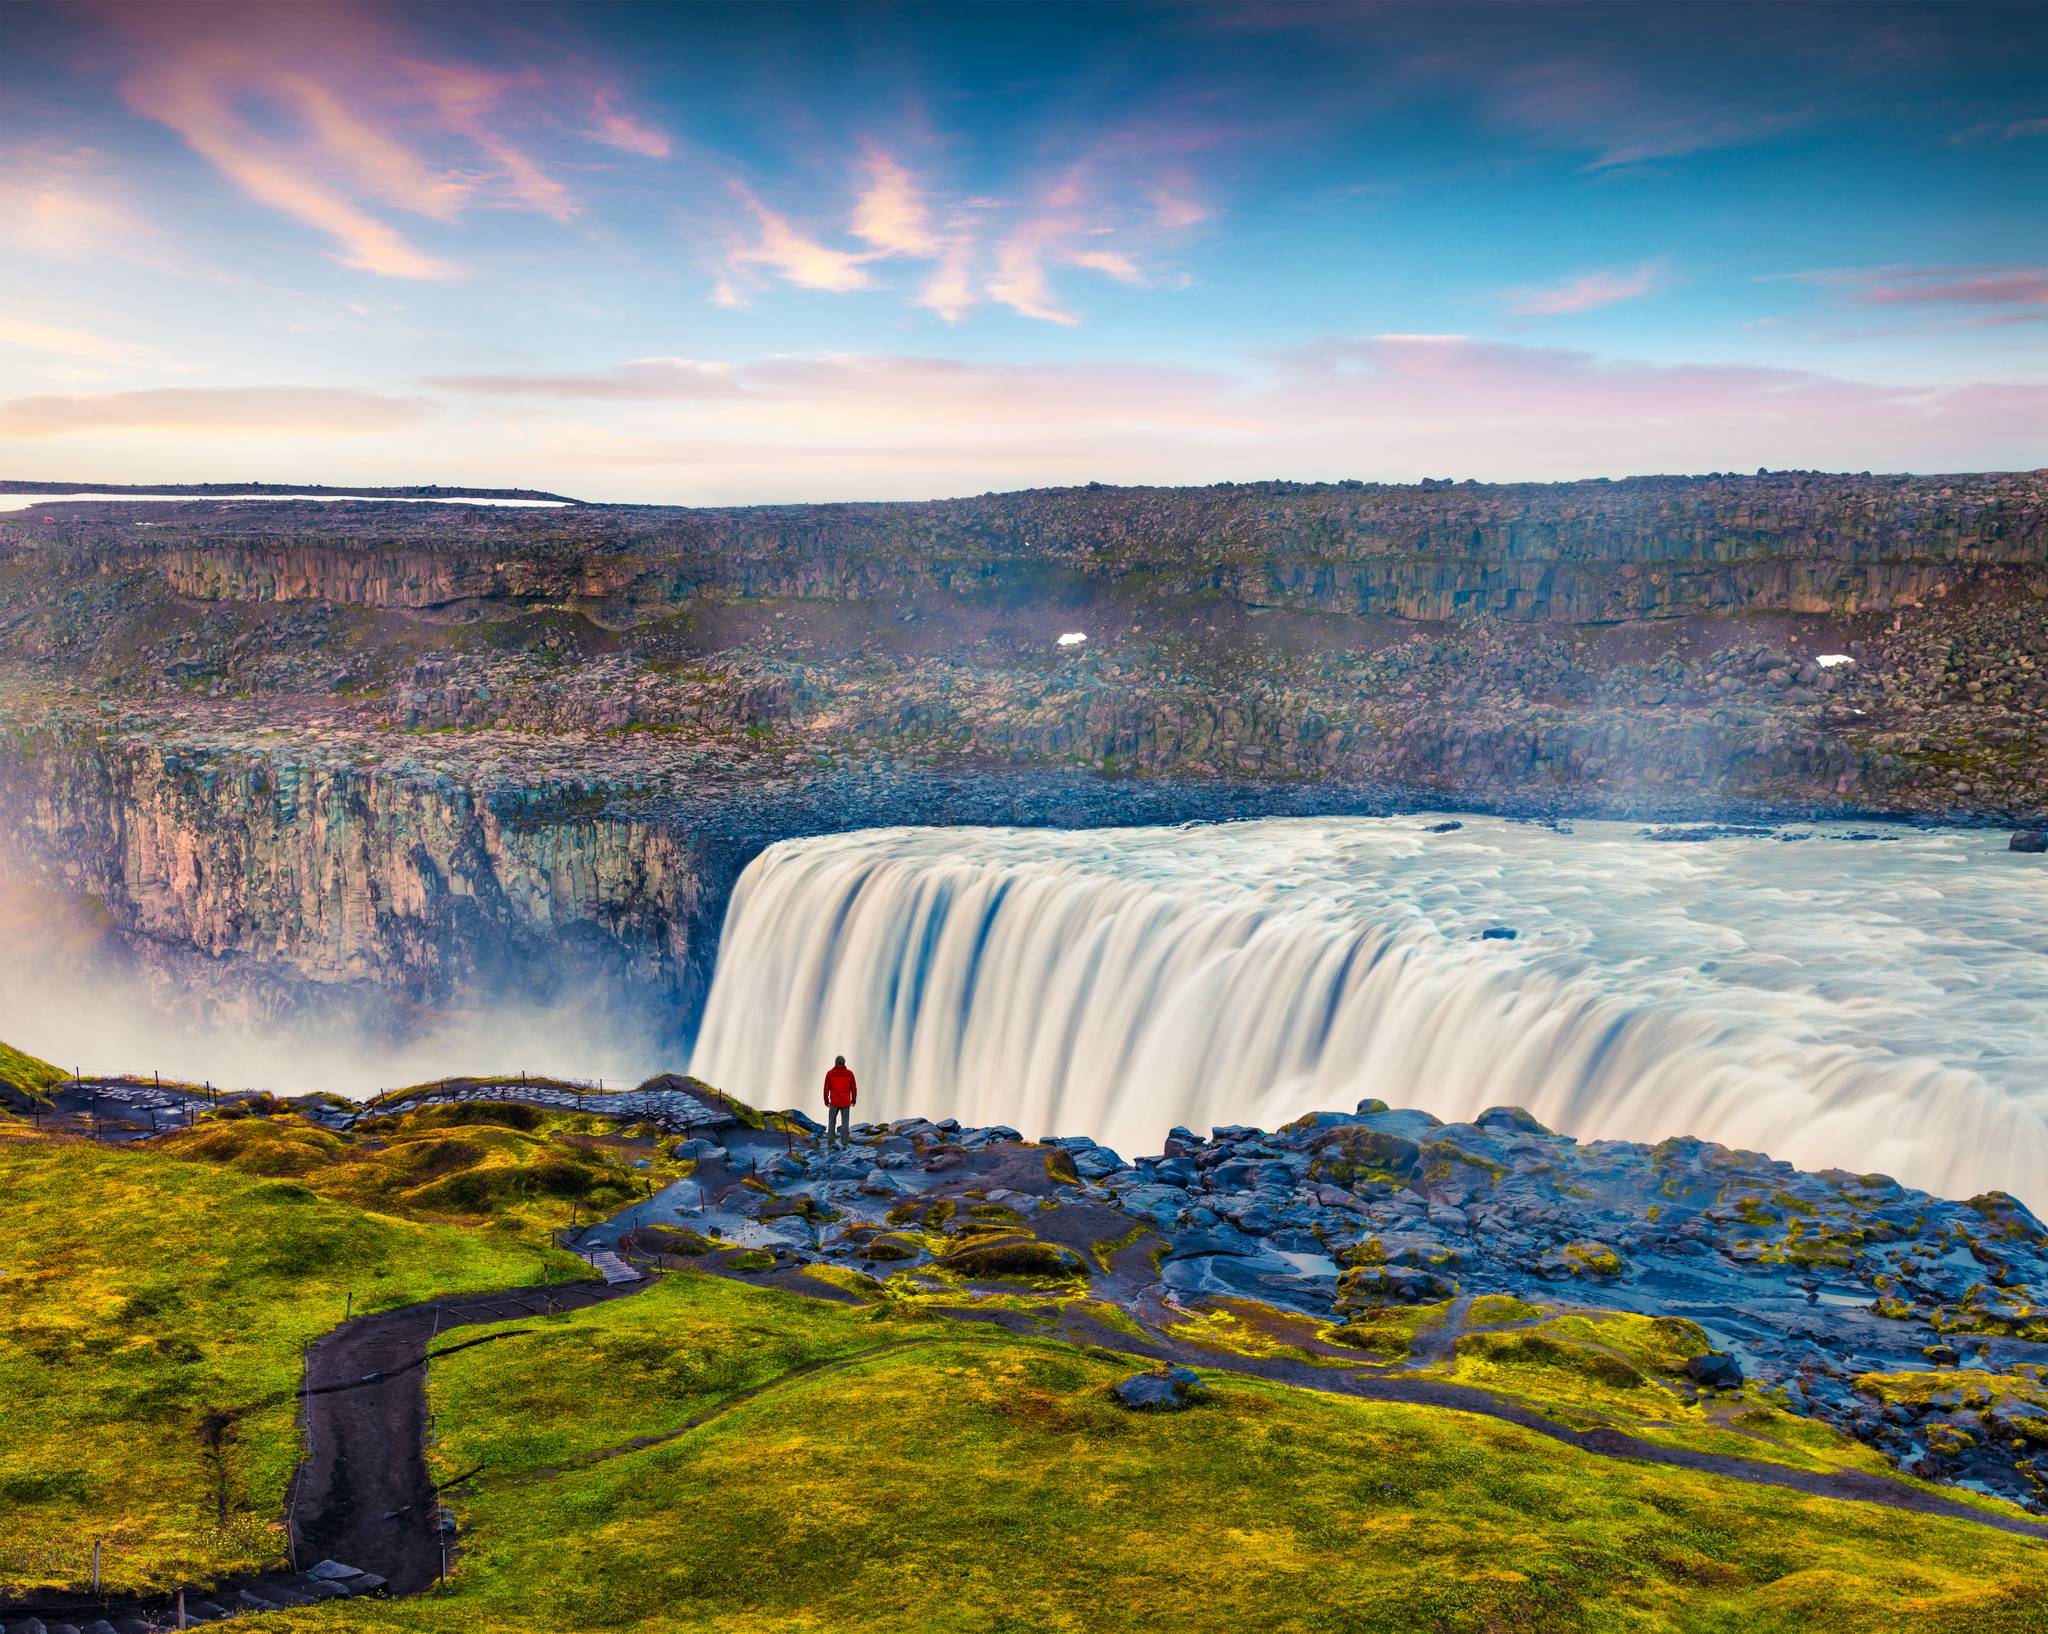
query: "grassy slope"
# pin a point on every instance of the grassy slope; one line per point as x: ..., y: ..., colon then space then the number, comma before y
x: 515, y: 1169
x: 26, y: 1072
x: 976, y: 1482
x: 141, y: 1294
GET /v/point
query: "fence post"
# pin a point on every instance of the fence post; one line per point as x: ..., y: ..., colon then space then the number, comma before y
x: 95, y: 1565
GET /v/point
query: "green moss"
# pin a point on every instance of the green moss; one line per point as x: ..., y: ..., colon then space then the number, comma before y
x: 35, y: 1078
x: 1523, y: 1350
x: 145, y: 1298
x: 1013, y: 1257
x: 1104, y: 1253
x: 1353, y: 1154
x: 680, y: 1241
x: 750, y: 1259
x: 988, y: 1484
x: 1492, y: 1308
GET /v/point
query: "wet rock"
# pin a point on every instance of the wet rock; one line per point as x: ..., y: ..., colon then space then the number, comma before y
x: 1169, y: 1390
x: 1716, y: 1370
x: 1366, y: 1286
x: 1498, y: 933
x: 2032, y: 840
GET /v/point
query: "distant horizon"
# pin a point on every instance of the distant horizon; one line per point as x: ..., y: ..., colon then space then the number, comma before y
x: 710, y: 254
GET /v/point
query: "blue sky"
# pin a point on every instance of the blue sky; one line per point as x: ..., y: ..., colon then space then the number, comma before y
x: 759, y: 253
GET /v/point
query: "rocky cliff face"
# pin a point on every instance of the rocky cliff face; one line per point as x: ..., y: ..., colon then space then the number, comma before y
x: 281, y: 870
x: 1566, y: 553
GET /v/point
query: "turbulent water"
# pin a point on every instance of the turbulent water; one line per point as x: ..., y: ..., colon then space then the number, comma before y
x: 1869, y: 1004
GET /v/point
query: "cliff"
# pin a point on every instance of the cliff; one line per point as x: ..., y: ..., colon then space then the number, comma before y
x: 1591, y: 552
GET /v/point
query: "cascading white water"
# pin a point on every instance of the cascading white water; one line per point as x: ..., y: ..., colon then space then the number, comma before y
x: 1874, y: 1005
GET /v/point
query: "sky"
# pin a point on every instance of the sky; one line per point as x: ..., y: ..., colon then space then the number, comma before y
x: 749, y: 253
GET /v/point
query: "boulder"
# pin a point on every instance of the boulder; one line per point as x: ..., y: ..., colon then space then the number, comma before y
x: 2029, y: 839
x: 1167, y: 1391
x: 1716, y: 1370
x: 1368, y: 1286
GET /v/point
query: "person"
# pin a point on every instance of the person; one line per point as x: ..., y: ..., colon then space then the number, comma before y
x: 840, y: 1094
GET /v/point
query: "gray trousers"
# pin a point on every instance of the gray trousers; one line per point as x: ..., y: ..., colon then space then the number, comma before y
x: 839, y: 1121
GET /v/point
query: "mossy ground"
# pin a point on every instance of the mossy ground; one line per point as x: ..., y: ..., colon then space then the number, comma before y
x: 26, y: 1073
x: 971, y: 1481
x: 523, y: 1171
x: 145, y: 1303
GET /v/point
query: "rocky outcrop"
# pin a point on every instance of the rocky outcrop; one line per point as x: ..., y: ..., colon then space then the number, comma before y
x: 1916, y: 1324
x: 293, y: 869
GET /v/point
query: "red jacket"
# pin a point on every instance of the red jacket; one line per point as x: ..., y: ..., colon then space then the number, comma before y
x: 840, y: 1089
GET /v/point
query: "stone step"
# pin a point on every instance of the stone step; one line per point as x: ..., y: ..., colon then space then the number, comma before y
x: 612, y: 1268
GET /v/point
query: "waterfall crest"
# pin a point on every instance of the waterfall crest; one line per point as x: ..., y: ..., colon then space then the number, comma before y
x: 1873, y: 1006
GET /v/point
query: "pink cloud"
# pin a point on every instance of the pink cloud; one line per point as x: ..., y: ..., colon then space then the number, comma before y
x: 978, y: 247
x: 796, y: 258
x: 613, y: 126
x: 891, y: 214
x: 1020, y: 281
x: 950, y: 291
x: 2015, y: 286
x: 1111, y: 263
x: 240, y: 410
x: 1588, y: 292
x: 60, y: 201
x: 653, y: 379
x: 1388, y: 407
x: 327, y: 114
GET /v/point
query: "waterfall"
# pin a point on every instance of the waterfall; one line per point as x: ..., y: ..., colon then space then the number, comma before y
x: 1835, y: 999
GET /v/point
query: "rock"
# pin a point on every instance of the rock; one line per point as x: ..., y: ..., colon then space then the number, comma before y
x: 1442, y: 828
x: 1097, y: 1162
x: 1366, y: 1286
x: 1167, y: 1391
x: 1941, y: 1355
x: 332, y: 1571
x: 2029, y: 839
x: 1498, y: 933
x: 1509, y: 1119
x: 1716, y: 1370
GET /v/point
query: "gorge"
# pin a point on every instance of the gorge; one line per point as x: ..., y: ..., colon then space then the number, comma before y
x: 369, y: 790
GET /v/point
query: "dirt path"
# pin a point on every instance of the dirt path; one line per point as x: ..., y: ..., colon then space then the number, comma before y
x: 363, y: 1494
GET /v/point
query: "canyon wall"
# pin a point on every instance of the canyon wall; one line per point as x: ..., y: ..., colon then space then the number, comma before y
x: 325, y: 875
x: 1568, y: 553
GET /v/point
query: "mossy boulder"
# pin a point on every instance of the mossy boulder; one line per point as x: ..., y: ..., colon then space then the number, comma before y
x: 680, y: 1241
x: 1346, y: 1157
x: 1368, y: 1287
x: 1013, y: 1257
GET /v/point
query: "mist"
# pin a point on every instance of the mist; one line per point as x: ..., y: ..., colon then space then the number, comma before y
x: 93, y: 1010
